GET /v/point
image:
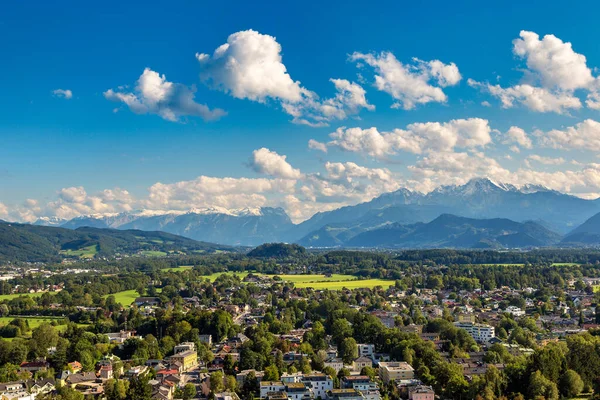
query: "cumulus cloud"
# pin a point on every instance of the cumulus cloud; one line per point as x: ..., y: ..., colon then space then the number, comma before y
x: 582, y: 136
x: 207, y: 191
x: 315, y: 145
x: 443, y: 168
x: 553, y: 72
x: 63, y: 93
x: 153, y: 94
x: 545, y: 160
x: 249, y: 66
x: 518, y: 136
x: 417, y: 138
x: 535, y: 98
x: 268, y: 162
x: 410, y: 84
x: 553, y: 62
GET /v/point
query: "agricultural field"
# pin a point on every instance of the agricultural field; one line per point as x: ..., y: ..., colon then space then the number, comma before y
x: 333, y: 282
x: 34, y: 322
x: 126, y: 297
x: 15, y: 295
x: 348, y: 284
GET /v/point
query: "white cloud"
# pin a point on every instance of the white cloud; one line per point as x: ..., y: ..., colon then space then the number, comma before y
x: 546, y: 160
x: 155, y: 95
x: 410, y: 85
x: 416, y: 138
x: 63, y: 93
x: 553, y: 72
x: 593, y: 100
x: 443, y: 168
x: 3, y: 211
x: 315, y: 145
x: 517, y: 135
x: 269, y: 162
x: 583, y: 136
x: 553, y: 62
x: 249, y: 66
x: 207, y: 191
x: 349, y: 100
x: 535, y: 98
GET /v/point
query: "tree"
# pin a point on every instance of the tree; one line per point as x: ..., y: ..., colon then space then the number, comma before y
x: 116, y: 389
x: 216, y: 382
x: 571, y: 384
x: 44, y: 337
x: 189, y: 391
x: 230, y: 383
x: 340, y: 330
x: 369, y: 371
x: 271, y: 373
x: 139, y: 388
x: 348, y: 350
x: 540, y: 386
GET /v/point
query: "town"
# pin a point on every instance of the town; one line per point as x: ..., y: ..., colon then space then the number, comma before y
x: 238, y: 327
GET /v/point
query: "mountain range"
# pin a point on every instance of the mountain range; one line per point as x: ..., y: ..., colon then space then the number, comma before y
x: 545, y: 217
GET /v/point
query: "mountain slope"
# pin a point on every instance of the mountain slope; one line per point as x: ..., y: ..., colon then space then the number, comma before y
x: 458, y: 232
x: 586, y: 234
x: 23, y: 242
x: 240, y: 227
x: 479, y: 198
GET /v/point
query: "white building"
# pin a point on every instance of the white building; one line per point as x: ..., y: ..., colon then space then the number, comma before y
x: 482, y: 333
x: 319, y: 383
x: 515, y: 311
x: 366, y: 350
x: 336, y: 363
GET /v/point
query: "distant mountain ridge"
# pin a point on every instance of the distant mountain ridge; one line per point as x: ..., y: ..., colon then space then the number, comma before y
x: 250, y: 226
x: 451, y: 231
x: 480, y: 198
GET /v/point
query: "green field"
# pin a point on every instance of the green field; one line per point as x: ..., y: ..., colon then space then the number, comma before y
x: 178, y: 269
x: 15, y: 295
x: 354, y: 284
x: 34, y: 322
x: 126, y: 297
x: 333, y: 282
x: 84, y: 252
x: 153, y: 253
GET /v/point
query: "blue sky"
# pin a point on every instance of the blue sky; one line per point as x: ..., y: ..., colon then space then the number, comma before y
x: 90, y: 152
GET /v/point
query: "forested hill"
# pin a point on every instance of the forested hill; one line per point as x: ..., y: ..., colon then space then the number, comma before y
x: 23, y: 242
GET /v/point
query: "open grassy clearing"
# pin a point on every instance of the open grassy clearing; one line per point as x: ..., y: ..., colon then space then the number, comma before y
x: 33, y: 322
x: 15, y: 295
x: 153, y: 253
x: 84, y: 252
x: 126, y: 297
x: 178, y: 269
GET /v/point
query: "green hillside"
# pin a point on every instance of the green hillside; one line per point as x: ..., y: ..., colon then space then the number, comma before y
x: 23, y: 242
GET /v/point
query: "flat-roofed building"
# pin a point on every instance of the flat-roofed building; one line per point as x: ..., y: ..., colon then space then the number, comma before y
x: 344, y: 394
x: 421, y: 393
x: 395, y: 371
